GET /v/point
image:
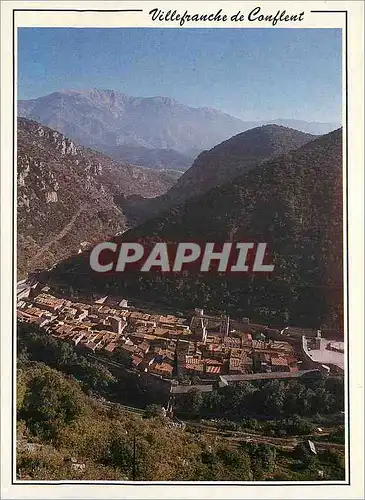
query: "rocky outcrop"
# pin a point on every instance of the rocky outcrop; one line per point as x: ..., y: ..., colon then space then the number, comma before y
x: 55, y: 178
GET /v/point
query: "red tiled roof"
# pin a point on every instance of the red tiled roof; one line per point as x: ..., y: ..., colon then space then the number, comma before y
x: 110, y: 347
x: 192, y: 360
x: 199, y: 367
x: 213, y: 369
x: 164, y: 367
x: 277, y: 361
x: 235, y: 363
x: 213, y: 362
x: 136, y: 360
x: 90, y: 345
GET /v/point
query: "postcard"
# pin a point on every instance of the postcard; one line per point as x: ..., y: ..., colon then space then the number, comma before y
x: 182, y: 275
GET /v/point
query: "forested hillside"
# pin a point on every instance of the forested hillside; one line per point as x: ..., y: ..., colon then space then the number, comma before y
x: 293, y: 203
x: 65, y: 431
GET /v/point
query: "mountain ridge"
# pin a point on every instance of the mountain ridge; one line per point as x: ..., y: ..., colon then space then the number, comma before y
x: 68, y: 195
x: 293, y: 202
x: 223, y: 163
x: 106, y: 119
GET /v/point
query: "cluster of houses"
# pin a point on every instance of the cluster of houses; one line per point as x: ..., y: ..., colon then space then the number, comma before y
x: 241, y: 354
x: 163, y: 345
x: 136, y: 339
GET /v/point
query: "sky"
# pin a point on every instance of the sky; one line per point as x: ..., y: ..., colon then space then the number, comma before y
x: 254, y: 74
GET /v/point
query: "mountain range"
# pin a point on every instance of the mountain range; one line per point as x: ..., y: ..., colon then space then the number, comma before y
x: 155, y: 132
x: 293, y: 202
x: 69, y: 196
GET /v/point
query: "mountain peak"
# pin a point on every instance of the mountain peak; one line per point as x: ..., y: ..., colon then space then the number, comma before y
x: 105, y: 118
x: 234, y: 157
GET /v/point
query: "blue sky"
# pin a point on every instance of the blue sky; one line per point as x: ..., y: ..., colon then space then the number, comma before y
x: 254, y: 74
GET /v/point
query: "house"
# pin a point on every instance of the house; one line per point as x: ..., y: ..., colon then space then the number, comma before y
x: 144, y: 347
x: 35, y: 311
x: 146, y: 362
x: 110, y: 347
x: 213, y: 370
x: 282, y: 347
x: 232, y: 342
x: 279, y: 364
x: 117, y: 324
x: 49, y: 302
x: 101, y: 300
x: 311, y: 447
x: 63, y: 331
x: 213, y: 362
x: 83, y: 314
x: 91, y: 346
x: 163, y: 369
x: 238, y: 365
x: 136, y: 361
x: 197, y: 366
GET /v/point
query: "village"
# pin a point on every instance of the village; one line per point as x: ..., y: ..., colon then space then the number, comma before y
x: 171, y: 347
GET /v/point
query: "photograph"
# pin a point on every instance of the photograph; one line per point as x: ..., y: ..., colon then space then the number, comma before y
x: 180, y: 255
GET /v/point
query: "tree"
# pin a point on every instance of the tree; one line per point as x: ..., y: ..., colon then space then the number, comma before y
x: 154, y: 411
x: 51, y: 402
x: 121, y: 455
x: 263, y: 457
x: 192, y: 402
x: 21, y: 387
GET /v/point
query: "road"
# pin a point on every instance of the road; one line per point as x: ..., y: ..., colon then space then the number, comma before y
x: 236, y: 437
x: 120, y: 407
x: 66, y: 229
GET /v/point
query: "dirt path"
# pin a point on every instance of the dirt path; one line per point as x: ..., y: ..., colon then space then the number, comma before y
x: 60, y: 235
x: 287, y: 442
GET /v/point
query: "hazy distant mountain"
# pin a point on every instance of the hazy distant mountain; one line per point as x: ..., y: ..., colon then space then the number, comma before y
x: 106, y: 120
x: 159, y: 159
x: 69, y: 195
x: 98, y: 118
x: 293, y: 202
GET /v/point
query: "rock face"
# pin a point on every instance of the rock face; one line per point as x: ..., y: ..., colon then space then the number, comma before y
x: 156, y: 132
x: 293, y: 203
x: 68, y: 194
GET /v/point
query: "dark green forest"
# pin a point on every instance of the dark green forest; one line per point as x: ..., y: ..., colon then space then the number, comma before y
x: 293, y: 203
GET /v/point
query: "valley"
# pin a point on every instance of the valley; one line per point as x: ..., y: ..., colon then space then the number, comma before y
x: 243, y: 374
x: 57, y: 180
x: 293, y: 202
